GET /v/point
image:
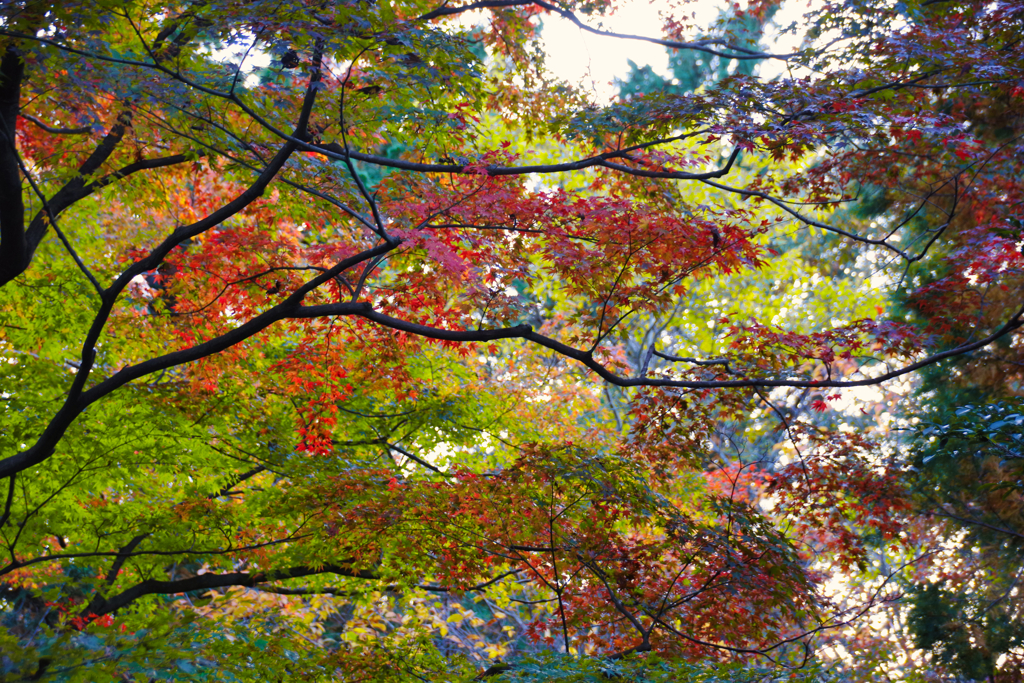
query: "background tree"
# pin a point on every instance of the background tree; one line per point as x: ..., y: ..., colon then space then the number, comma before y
x: 964, y: 606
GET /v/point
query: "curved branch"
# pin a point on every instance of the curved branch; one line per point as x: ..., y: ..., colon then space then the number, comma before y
x: 143, y: 165
x: 75, y: 401
x: 796, y: 214
x: 291, y: 308
x: 84, y: 130
x: 586, y: 358
x: 103, y: 606
x: 71, y: 192
x: 332, y: 590
x: 78, y: 401
x: 333, y: 150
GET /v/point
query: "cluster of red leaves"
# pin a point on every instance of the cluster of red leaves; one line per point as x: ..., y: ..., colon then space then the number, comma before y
x: 761, y: 346
x: 972, y: 294
x: 836, y: 497
x: 621, y: 254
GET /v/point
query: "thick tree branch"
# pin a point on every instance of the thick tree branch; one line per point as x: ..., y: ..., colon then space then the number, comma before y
x: 332, y: 590
x: 213, y: 581
x: 60, y: 233
x: 122, y: 556
x: 291, y: 308
x: 412, y: 457
x: 7, y: 506
x: 83, y: 130
x: 445, y: 10
x: 14, y: 256
x: 73, y: 190
x: 586, y: 358
x: 75, y: 401
x: 124, y: 172
x: 238, y: 480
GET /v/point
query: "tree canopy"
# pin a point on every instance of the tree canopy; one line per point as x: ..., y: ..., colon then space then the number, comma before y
x: 341, y: 340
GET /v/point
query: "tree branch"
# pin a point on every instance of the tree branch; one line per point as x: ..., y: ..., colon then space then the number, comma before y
x: 14, y: 256
x: 7, y: 506
x: 75, y: 401
x: 213, y: 581
x: 72, y: 191
x: 78, y: 401
x: 84, y: 130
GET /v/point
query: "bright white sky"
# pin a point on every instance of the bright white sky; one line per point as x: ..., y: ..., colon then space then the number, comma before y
x: 582, y: 57
x: 594, y: 61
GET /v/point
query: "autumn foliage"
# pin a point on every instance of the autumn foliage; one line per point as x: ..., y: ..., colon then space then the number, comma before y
x: 341, y: 341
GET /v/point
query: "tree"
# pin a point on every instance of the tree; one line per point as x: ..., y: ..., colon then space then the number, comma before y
x: 964, y: 479
x: 268, y: 407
